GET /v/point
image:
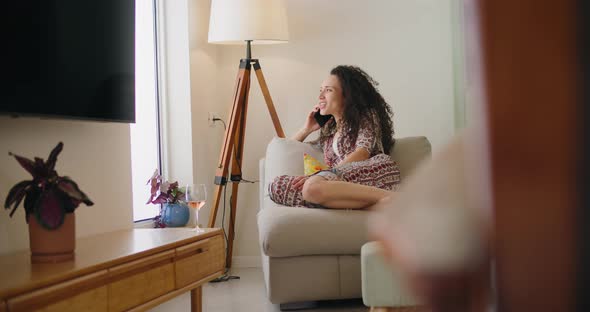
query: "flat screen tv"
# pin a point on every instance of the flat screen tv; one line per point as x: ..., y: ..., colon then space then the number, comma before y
x: 68, y: 59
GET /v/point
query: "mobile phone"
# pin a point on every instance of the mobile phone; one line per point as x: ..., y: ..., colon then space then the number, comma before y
x: 321, y: 119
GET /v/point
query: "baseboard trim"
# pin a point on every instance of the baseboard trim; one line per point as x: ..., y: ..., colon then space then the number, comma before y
x: 246, y: 262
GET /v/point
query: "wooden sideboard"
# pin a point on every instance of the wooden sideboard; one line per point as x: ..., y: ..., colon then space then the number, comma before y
x: 125, y: 270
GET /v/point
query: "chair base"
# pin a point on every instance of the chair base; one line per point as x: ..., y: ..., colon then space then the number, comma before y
x: 303, y: 305
x: 401, y: 309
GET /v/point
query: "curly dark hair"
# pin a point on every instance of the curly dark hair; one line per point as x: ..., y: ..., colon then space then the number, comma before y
x: 362, y: 101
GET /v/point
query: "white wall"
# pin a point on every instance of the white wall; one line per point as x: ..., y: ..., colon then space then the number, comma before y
x: 405, y: 45
x: 203, y: 70
x: 96, y: 155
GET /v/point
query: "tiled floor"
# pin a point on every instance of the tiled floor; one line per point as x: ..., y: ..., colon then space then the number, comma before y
x: 248, y: 294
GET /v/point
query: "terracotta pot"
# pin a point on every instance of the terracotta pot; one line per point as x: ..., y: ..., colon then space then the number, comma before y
x: 52, y: 245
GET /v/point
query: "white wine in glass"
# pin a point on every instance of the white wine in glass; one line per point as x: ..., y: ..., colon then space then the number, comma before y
x: 196, y: 196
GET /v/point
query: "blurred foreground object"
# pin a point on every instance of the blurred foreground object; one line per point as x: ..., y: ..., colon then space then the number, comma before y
x: 532, y: 96
x: 436, y: 230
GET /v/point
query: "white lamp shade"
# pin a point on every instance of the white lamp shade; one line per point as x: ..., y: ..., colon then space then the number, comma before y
x: 235, y: 21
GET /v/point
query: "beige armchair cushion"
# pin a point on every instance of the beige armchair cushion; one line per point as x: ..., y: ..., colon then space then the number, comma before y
x: 409, y: 152
x: 296, y: 231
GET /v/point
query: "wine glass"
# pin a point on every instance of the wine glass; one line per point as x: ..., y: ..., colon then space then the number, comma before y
x: 196, y: 195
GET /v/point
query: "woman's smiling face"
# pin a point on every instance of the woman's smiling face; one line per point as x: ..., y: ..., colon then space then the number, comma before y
x: 331, y: 100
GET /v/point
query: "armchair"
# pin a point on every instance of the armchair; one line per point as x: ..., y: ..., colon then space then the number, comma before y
x: 314, y: 254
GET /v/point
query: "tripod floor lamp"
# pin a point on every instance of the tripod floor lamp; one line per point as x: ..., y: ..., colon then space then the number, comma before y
x: 243, y: 22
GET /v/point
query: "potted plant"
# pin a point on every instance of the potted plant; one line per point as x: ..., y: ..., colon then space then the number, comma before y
x: 49, y: 202
x: 173, y: 211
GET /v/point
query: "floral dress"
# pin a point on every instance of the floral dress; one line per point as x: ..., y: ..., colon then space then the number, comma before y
x: 378, y: 171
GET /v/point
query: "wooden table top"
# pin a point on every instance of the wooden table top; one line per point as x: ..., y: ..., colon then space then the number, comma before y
x: 93, y: 253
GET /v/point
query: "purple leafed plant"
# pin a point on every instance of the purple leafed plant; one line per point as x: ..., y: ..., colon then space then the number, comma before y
x: 162, y: 192
x: 47, y: 196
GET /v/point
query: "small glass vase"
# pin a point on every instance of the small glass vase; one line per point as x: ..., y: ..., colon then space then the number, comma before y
x: 175, y: 215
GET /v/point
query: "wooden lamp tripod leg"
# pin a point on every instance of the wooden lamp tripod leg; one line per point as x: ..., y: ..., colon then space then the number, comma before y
x: 233, y: 144
x: 240, y: 94
x: 236, y: 176
x: 271, y: 107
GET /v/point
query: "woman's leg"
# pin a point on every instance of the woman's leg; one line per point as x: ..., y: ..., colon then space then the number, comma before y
x: 282, y: 191
x: 340, y: 194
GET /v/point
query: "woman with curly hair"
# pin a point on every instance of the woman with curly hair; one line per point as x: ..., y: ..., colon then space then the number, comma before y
x: 356, y: 142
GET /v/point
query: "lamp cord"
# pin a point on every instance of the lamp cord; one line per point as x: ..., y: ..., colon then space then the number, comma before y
x: 226, y: 276
x: 216, y: 119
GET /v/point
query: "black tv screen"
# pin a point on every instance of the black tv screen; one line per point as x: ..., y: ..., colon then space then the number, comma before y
x: 68, y: 58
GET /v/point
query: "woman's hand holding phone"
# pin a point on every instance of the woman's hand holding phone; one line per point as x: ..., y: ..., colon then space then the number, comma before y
x: 309, y: 126
x: 310, y: 123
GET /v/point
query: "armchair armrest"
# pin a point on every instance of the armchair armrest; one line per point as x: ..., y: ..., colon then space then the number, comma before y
x: 382, y: 286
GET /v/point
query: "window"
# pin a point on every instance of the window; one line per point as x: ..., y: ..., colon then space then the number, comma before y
x: 145, y: 132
